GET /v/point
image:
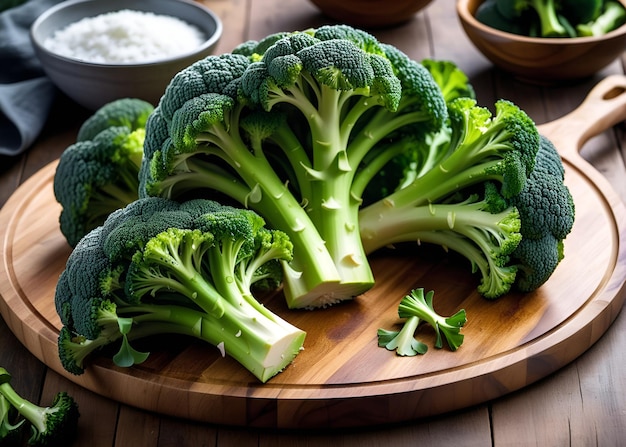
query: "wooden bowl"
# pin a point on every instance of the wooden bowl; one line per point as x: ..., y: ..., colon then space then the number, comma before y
x: 541, y: 60
x: 370, y: 13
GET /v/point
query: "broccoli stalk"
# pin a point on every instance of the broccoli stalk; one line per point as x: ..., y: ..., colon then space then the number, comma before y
x: 403, y: 341
x: 545, y: 10
x: 10, y: 428
x: 163, y: 267
x: 347, y: 94
x: 484, y: 238
x: 611, y: 17
x: 415, y: 308
x: 50, y: 426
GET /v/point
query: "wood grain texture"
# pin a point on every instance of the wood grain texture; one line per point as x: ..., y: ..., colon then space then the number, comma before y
x: 342, y: 378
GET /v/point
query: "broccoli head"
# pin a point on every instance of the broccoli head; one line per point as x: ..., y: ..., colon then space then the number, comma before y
x: 162, y: 267
x: 497, y: 197
x: 100, y: 172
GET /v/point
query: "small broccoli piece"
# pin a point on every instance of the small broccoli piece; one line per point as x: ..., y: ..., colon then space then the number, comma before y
x: 415, y: 308
x: 162, y: 267
x: 612, y: 16
x: 50, y: 426
x: 403, y: 341
x: 99, y: 173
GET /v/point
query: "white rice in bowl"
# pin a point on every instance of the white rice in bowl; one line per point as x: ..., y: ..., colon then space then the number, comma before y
x: 125, y: 37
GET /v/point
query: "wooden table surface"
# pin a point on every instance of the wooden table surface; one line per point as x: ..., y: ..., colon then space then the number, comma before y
x: 583, y: 404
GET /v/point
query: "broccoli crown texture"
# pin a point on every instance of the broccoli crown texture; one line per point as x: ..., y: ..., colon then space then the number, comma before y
x: 54, y: 425
x: 293, y: 126
x: 158, y: 266
x: 99, y: 173
x: 547, y: 214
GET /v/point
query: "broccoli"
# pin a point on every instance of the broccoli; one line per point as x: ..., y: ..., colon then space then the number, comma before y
x: 415, y: 308
x: 286, y: 128
x: 412, y: 162
x: 497, y: 198
x: 10, y: 427
x: 552, y: 18
x: 489, y: 14
x: 99, y: 172
x: 547, y: 215
x: 544, y: 10
x: 158, y: 266
x: 612, y: 16
x: 50, y: 426
x: 452, y: 81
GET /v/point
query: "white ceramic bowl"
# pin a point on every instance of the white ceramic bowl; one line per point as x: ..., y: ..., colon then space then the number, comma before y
x: 94, y: 84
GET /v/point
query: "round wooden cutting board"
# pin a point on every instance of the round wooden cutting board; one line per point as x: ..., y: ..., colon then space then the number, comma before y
x: 342, y: 378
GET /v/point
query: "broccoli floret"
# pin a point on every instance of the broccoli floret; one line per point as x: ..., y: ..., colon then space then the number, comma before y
x: 547, y: 214
x: 288, y: 136
x: 131, y: 113
x: 504, y: 206
x: 467, y: 202
x: 99, y: 173
x: 452, y: 81
x: 163, y: 267
x: 50, y: 426
x: 415, y: 308
x: 612, y: 16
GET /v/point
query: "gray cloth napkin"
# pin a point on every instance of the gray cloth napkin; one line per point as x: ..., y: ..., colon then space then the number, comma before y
x: 26, y: 94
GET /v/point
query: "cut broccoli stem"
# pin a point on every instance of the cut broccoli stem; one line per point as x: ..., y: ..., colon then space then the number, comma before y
x: 329, y: 204
x: 257, y: 341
